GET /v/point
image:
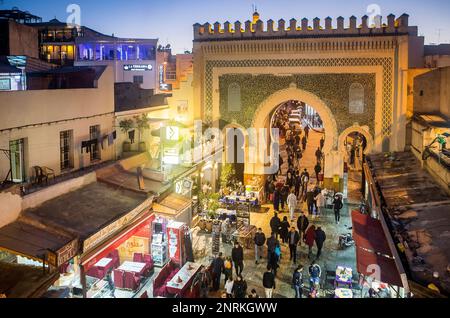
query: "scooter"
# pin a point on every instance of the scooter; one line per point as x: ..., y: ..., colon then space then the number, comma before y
x: 345, y: 240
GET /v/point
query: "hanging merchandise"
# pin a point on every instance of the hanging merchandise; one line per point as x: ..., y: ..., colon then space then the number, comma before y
x: 216, y: 237
x: 131, y: 135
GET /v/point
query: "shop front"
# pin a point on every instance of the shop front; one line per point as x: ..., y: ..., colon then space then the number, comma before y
x: 118, y: 266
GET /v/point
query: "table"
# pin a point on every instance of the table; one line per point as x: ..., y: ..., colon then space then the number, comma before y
x: 186, y: 274
x: 236, y: 198
x: 133, y: 267
x: 343, y: 293
x: 104, y: 262
x: 344, y: 276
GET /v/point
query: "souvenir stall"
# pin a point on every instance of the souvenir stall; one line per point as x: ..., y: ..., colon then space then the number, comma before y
x: 343, y: 282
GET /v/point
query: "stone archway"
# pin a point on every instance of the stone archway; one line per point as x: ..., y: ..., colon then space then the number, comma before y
x: 332, y: 164
x: 363, y: 130
x: 294, y: 93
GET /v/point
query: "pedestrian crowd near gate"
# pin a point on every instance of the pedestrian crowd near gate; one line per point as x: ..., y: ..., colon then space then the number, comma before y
x: 288, y: 191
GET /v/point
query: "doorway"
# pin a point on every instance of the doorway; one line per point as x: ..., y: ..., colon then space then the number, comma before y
x: 17, y: 150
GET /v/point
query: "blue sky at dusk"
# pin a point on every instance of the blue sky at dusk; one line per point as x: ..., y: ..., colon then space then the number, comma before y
x: 171, y: 21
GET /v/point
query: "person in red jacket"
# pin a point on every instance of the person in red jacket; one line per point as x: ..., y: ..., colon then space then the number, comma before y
x: 310, y: 238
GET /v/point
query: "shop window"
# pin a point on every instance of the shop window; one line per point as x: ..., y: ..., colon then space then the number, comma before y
x: 138, y: 79
x: 94, y: 133
x: 66, y: 149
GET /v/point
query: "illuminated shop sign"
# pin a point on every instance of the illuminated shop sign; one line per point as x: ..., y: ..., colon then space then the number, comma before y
x: 171, y: 156
x: 172, y: 133
x: 138, y: 67
x: 165, y: 87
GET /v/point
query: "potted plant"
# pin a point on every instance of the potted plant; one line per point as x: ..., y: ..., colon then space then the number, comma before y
x: 226, y: 175
x: 142, y: 124
x: 125, y: 126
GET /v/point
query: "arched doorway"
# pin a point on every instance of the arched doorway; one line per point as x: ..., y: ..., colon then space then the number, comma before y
x: 266, y: 110
x: 354, y: 144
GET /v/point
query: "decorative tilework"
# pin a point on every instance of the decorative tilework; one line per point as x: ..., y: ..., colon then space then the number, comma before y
x: 386, y: 63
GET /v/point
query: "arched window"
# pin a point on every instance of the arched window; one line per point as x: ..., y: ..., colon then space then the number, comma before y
x: 234, y: 98
x: 356, y: 99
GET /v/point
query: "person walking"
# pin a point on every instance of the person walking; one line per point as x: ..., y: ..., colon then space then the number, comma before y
x: 240, y: 287
x: 284, y: 230
x: 275, y: 224
x: 276, y: 256
x: 320, y: 202
x: 302, y: 224
x: 204, y: 280
x: 272, y: 242
x: 110, y: 281
x: 338, y: 205
x: 317, y: 170
x: 310, y: 202
x: 228, y: 268
x: 260, y: 240
x: 320, y: 240
x: 294, y: 239
x: 297, y: 281
x: 307, y: 129
x: 310, y: 238
x: 269, y: 282
x: 267, y: 190
x: 298, y: 184
x: 304, y: 142
x: 284, y: 195
x: 292, y: 204
x: 276, y: 200
x: 318, y: 155
x: 237, y: 255
x: 229, y: 287
x: 217, y: 270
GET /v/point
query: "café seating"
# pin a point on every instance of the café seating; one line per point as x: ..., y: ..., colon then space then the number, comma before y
x: 150, y: 264
x: 42, y: 174
x: 119, y: 278
x: 97, y: 272
x: 166, y: 274
x: 147, y: 259
x: 138, y: 258
x: 132, y: 281
x: 114, y: 255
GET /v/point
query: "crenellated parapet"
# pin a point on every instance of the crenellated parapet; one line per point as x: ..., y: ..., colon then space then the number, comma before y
x: 293, y: 28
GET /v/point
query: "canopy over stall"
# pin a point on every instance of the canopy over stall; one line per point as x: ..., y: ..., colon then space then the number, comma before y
x: 373, y: 255
x: 175, y: 207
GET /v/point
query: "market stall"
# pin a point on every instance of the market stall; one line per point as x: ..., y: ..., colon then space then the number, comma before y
x: 244, y: 235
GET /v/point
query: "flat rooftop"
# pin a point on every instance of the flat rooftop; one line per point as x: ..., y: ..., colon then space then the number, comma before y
x: 24, y: 281
x: 419, y: 215
x: 85, y: 211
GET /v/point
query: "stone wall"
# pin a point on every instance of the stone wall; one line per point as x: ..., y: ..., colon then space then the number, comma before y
x: 333, y: 89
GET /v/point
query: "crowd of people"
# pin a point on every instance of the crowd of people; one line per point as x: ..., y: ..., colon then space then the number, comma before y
x: 287, y: 191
